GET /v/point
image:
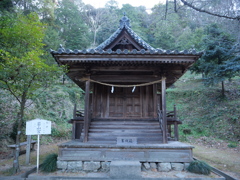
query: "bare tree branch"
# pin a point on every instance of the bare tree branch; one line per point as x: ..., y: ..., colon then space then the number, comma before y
x: 166, y: 9
x: 175, y: 5
x: 11, y: 91
x: 208, y: 12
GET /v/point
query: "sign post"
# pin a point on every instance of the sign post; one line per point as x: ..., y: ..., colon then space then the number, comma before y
x: 38, y: 127
x: 28, y: 149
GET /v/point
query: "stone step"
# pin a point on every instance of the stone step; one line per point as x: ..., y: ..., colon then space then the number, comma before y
x: 125, y: 170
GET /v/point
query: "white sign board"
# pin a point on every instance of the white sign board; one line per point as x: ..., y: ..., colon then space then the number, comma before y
x: 38, y: 126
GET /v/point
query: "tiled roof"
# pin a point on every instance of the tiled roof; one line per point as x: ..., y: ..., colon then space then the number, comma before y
x: 61, y: 50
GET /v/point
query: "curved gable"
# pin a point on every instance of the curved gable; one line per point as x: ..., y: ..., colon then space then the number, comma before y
x: 124, y: 38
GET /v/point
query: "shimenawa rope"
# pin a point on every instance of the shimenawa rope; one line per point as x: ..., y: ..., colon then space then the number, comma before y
x: 121, y: 85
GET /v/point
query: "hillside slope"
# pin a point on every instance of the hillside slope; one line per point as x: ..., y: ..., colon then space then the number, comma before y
x: 204, y: 111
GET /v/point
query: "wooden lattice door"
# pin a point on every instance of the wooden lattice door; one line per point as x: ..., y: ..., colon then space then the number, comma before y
x: 125, y: 103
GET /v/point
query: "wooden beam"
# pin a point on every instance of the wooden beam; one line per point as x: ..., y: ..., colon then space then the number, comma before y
x: 170, y: 58
x: 140, y: 68
x: 86, y: 110
x: 164, y: 111
x: 125, y: 78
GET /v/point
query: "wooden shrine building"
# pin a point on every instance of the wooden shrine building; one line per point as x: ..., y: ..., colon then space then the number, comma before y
x: 125, y: 81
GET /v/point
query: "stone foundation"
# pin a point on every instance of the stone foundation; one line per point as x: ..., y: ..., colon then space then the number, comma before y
x: 163, y: 166
x: 86, y: 166
x: 104, y: 166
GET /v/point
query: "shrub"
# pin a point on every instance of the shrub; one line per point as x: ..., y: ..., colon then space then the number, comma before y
x: 50, y: 163
x: 199, y: 167
x: 232, y: 145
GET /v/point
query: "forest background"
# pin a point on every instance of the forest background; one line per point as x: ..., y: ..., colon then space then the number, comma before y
x: 32, y: 86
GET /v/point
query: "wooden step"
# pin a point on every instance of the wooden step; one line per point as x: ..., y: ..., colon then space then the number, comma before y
x: 124, y: 127
x: 145, y: 139
x: 106, y: 135
x: 107, y: 131
x: 124, y: 122
x: 124, y: 130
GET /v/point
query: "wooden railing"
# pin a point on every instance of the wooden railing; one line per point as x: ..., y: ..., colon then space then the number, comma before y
x: 172, y: 120
x: 160, y: 118
x: 77, y: 123
x: 77, y: 113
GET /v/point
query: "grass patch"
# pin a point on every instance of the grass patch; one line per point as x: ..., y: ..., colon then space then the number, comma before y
x: 199, y: 167
x: 50, y: 163
x: 232, y: 145
x: 7, y: 172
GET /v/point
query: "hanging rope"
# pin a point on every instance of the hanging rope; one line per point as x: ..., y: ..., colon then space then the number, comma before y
x: 120, y: 85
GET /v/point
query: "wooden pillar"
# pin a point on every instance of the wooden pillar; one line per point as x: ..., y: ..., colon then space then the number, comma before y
x: 164, y: 111
x: 74, y: 111
x: 155, y: 100
x: 176, y: 136
x: 86, y: 110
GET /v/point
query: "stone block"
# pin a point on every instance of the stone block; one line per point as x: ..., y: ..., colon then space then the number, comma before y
x: 153, y: 166
x: 105, y: 166
x: 91, y: 166
x: 164, y: 167
x: 146, y: 165
x: 186, y: 166
x: 181, y: 176
x: 62, y: 165
x: 125, y: 170
x: 177, y: 166
x: 74, y: 166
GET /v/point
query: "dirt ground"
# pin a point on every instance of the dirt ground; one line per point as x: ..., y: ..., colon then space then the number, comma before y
x: 217, y: 155
x: 221, y: 157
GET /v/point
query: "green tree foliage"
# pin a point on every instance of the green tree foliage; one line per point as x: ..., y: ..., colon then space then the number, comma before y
x: 51, y: 40
x: 171, y: 31
x: 22, y: 70
x: 70, y: 25
x: 139, y: 19
x: 111, y: 21
x: 95, y: 18
x: 220, y: 61
x: 46, y: 11
x: 6, y: 5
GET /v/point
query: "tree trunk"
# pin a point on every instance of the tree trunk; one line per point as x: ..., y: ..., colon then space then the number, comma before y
x: 16, y: 167
x: 94, y: 37
x: 223, y: 89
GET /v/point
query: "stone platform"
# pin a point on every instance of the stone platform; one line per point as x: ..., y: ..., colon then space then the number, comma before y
x: 174, y: 151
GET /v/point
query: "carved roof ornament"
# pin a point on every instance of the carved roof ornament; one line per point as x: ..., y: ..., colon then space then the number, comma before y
x: 124, y: 41
x: 124, y: 21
